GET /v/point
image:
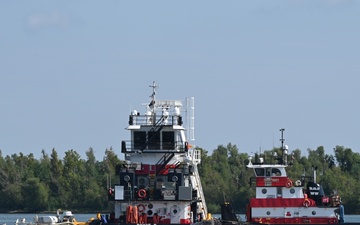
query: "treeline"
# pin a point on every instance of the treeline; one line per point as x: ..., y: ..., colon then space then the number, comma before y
x: 50, y: 183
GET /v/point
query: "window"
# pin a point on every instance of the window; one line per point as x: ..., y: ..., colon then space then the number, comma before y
x: 168, y: 140
x: 154, y: 140
x: 275, y: 172
x: 139, y: 139
x: 259, y: 172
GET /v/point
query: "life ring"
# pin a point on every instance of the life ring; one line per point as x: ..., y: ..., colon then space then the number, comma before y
x: 142, y: 193
x: 289, y: 183
x: 298, y: 183
x: 306, y: 202
x: 141, y: 208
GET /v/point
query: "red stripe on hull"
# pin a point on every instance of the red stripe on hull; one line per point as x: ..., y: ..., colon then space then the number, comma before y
x: 297, y: 220
x: 279, y: 202
x: 271, y: 181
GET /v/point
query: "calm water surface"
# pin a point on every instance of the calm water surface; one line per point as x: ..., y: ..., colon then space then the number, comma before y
x: 10, y: 219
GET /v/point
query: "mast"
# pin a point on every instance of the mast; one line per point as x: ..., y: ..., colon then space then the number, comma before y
x: 152, y: 96
x: 284, y: 148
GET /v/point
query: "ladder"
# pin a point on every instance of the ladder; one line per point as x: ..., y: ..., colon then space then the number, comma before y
x: 196, y: 182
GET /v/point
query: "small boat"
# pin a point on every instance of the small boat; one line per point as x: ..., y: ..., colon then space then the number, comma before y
x: 67, y: 218
x: 159, y: 182
x: 281, y: 200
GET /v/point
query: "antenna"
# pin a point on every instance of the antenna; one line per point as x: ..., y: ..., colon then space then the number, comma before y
x: 282, y: 137
x: 154, y: 86
x: 190, y: 115
x: 152, y: 102
x: 283, y: 148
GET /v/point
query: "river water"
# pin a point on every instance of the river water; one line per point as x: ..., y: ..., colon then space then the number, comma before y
x: 10, y: 218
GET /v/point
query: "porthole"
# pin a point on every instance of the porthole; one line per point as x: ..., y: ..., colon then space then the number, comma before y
x: 175, y: 178
x: 126, y: 178
x: 268, y: 213
x: 150, y: 206
x: 263, y: 191
x: 313, y: 212
x: 292, y: 190
x: 149, y: 212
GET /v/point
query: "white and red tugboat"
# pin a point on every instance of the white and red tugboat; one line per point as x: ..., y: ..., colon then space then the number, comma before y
x: 281, y: 200
x: 159, y: 183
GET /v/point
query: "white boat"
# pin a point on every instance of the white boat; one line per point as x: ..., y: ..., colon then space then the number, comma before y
x: 159, y: 183
x: 67, y: 218
x: 281, y: 200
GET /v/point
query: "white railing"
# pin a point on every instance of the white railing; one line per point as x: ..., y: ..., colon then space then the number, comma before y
x: 196, y: 182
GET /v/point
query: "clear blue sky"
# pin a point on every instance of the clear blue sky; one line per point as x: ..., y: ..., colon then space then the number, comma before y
x: 70, y: 71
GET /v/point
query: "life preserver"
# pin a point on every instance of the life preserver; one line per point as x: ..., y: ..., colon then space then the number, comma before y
x: 141, y: 208
x: 298, y: 183
x: 306, y: 202
x: 142, y: 193
x: 289, y: 183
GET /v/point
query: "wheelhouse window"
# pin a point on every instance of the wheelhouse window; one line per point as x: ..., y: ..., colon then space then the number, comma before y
x: 168, y: 140
x: 275, y: 172
x: 259, y: 172
x: 139, y: 139
x: 154, y: 140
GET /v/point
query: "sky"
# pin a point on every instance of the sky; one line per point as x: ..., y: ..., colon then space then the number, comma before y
x: 71, y: 72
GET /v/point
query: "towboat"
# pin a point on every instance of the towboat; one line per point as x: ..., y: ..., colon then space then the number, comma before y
x: 281, y: 200
x: 159, y: 182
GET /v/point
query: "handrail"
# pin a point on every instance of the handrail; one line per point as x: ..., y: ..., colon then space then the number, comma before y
x: 197, y: 183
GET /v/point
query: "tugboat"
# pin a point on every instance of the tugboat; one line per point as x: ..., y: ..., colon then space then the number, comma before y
x: 159, y: 182
x: 280, y: 200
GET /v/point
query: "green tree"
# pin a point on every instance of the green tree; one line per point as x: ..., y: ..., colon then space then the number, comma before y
x: 35, y: 195
x: 72, y: 180
x: 56, y: 191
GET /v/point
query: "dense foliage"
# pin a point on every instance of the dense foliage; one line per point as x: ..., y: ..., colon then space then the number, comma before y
x: 49, y: 183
